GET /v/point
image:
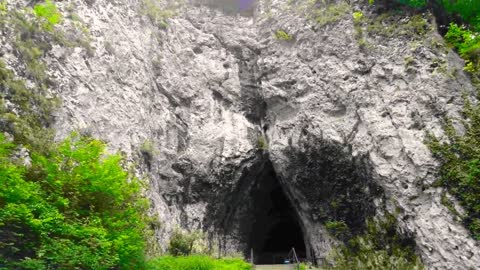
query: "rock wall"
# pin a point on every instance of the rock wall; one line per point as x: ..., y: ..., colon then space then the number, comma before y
x: 344, y: 116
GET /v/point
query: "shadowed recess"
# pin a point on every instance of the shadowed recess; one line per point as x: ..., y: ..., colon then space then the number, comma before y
x: 275, y: 230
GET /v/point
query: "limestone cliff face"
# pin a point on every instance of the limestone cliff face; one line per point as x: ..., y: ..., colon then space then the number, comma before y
x: 343, y: 116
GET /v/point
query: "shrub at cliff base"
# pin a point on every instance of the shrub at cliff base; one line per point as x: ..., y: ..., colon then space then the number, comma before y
x: 71, y: 208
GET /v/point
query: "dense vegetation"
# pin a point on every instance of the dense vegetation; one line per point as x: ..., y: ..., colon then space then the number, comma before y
x: 71, y: 208
x: 467, y: 43
x: 380, y: 247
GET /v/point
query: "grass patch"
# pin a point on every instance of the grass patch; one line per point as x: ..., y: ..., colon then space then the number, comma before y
x: 197, y: 262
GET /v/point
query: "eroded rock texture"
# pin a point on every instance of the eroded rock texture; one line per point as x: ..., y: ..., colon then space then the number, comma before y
x: 344, y: 121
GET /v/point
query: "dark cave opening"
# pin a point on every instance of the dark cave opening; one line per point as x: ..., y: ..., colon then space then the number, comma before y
x: 275, y: 229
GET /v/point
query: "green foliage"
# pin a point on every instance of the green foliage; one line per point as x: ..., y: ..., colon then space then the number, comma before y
x: 460, y: 170
x: 3, y: 13
x: 379, y: 248
x: 409, y: 60
x: 39, y: 29
x: 338, y: 229
x: 156, y: 13
x: 73, y: 208
x: 3, y: 7
x: 33, y: 111
x: 413, y: 3
x: 331, y: 13
x: 32, y: 55
x: 148, y: 148
x: 262, y: 143
x: 358, y: 23
x: 182, y: 244
x: 409, y: 3
x: 282, y: 35
x: 468, y: 10
x: 27, y: 110
x: 357, y: 16
x: 467, y: 43
x: 449, y: 204
x: 197, y: 263
x: 49, y: 13
x: 30, y: 45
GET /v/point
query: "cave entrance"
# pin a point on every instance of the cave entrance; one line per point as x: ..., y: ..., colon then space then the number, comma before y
x: 275, y: 229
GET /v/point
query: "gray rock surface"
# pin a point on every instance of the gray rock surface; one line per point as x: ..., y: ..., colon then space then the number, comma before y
x: 191, y: 102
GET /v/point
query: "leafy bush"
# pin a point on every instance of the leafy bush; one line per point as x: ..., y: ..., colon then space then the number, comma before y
x: 379, y: 248
x: 182, y: 244
x: 49, y: 13
x: 460, y: 170
x: 197, y: 263
x: 467, y: 44
x: 72, y: 208
x: 468, y: 10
